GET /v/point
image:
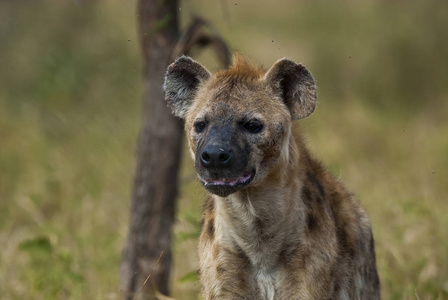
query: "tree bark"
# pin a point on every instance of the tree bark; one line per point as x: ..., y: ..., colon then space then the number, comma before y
x: 158, y: 158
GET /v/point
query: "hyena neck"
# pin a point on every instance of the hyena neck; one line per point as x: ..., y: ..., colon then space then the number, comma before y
x: 264, y: 220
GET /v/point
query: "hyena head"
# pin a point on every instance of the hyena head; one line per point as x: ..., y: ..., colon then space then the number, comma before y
x: 238, y: 120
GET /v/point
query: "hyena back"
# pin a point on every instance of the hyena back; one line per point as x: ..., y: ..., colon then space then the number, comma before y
x: 277, y: 225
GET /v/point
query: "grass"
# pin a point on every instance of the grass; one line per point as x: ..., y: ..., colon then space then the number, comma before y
x: 70, y: 101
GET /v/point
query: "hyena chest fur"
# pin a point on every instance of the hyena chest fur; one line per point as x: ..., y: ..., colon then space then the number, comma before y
x: 247, y: 249
x: 266, y: 280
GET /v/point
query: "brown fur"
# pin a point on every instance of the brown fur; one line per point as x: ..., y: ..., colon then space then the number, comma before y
x: 293, y: 232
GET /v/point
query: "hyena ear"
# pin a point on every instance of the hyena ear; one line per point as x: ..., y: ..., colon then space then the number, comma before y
x: 182, y: 80
x: 294, y: 84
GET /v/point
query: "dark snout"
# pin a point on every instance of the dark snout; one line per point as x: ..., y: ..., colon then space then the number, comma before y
x: 217, y: 155
x: 221, y: 163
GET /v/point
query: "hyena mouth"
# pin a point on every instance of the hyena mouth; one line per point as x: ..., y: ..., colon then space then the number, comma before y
x: 226, y: 186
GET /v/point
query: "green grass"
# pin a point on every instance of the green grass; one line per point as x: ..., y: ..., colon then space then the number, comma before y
x: 70, y: 104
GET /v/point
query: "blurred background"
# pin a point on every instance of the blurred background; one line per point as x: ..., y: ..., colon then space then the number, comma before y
x: 71, y: 106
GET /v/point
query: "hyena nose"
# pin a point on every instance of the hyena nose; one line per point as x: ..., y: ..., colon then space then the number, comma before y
x: 216, y: 157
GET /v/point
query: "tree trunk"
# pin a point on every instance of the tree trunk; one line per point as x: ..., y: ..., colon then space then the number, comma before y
x: 158, y: 157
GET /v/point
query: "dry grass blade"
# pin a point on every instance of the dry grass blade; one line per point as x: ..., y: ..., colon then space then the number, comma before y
x: 147, y: 278
x: 163, y: 297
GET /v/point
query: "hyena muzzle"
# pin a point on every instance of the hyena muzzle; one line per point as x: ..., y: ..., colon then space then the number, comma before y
x: 277, y: 225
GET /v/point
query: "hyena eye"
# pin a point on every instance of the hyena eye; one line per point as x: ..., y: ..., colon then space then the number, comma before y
x: 199, y: 126
x: 253, y: 126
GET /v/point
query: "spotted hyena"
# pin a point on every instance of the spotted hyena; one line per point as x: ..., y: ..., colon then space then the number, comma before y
x: 277, y: 224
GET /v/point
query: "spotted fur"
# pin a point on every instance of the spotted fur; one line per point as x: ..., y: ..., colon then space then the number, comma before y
x: 294, y: 231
